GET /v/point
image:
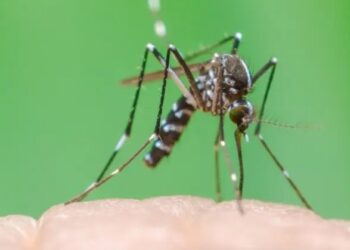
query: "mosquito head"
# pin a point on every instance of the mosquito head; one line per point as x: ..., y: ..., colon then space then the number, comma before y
x: 241, y: 113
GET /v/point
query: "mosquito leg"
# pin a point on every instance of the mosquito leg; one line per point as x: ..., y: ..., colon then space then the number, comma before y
x: 272, y: 65
x: 127, y: 132
x: 196, y: 93
x: 217, y: 170
x: 238, y: 135
x: 101, y: 180
x: 117, y: 171
x: 220, y: 141
x: 220, y: 138
x: 236, y: 40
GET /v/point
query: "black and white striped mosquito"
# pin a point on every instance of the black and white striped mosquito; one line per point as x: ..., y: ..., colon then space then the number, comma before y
x: 221, y: 88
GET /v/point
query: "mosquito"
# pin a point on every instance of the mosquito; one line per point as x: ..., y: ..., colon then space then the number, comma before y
x: 220, y: 89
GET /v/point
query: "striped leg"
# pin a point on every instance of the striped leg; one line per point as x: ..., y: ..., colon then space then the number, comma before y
x: 127, y: 132
x: 272, y: 65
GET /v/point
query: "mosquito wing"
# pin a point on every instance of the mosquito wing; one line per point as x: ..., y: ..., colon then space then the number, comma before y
x: 159, y: 74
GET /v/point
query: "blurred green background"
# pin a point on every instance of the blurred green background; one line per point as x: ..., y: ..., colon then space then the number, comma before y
x: 62, y: 109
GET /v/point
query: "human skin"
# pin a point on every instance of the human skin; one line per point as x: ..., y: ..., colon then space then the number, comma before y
x: 175, y: 222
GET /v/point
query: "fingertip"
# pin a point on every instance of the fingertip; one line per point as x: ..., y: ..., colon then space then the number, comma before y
x: 177, y: 222
x: 17, y: 232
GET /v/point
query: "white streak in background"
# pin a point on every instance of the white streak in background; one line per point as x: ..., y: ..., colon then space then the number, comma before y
x: 154, y: 5
x: 159, y: 28
x: 223, y: 143
x: 159, y: 25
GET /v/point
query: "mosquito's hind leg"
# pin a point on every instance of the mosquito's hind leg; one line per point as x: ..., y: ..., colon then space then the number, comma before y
x: 272, y: 65
x: 127, y: 132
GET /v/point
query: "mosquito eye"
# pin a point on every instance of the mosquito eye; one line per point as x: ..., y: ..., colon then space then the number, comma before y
x: 241, y: 113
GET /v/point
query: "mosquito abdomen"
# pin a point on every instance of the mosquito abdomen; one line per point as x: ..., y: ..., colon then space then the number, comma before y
x: 170, y: 131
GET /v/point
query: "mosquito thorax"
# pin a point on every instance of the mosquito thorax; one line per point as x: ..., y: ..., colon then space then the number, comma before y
x: 235, y: 73
x: 242, y: 113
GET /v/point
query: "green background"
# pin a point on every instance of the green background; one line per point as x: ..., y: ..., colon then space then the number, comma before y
x: 62, y: 109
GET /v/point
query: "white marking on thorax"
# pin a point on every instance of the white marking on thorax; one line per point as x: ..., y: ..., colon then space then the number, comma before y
x: 209, y: 93
x: 160, y: 28
x: 211, y: 74
x: 233, y: 91
x: 200, y: 85
x: 208, y: 104
x: 154, y: 5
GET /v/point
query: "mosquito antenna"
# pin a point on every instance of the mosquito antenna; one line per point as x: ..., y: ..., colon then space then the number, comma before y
x: 159, y: 25
x: 287, y: 125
